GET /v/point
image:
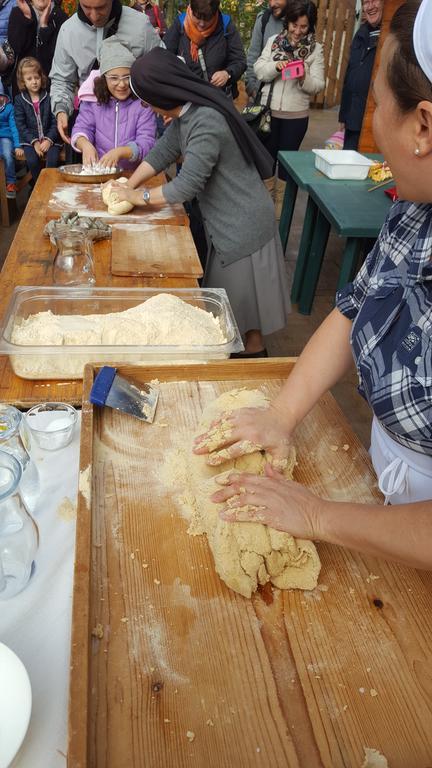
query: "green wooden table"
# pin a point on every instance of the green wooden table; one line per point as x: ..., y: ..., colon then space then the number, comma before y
x: 345, y: 205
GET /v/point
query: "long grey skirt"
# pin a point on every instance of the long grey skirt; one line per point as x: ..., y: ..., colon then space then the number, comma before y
x: 257, y: 287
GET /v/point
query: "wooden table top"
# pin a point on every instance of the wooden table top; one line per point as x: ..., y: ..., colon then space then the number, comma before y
x: 29, y: 262
x: 288, y: 679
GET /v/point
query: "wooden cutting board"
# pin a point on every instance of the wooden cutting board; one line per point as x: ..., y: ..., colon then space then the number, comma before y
x: 154, y: 251
x: 161, y: 647
x: 87, y: 200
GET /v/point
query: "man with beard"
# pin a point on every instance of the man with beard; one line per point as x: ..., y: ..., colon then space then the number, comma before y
x: 78, y: 44
x: 268, y: 22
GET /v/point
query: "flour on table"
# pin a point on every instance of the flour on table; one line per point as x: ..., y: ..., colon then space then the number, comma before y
x: 245, y: 554
x: 374, y: 759
x: 162, y: 320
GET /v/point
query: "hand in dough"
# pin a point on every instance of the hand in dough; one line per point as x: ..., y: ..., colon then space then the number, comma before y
x: 271, y: 499
x: 242, y: 432
x: 112, y: 198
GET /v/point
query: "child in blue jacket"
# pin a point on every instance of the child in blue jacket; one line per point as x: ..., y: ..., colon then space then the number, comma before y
x: 9, y: 142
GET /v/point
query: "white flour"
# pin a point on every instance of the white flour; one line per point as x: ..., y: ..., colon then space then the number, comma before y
x: 162, y: 320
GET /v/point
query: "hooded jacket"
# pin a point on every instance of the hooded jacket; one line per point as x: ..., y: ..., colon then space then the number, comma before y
x: 27, y: 40
x: 77, y: 51
x: 117, y: 124
x: 31, y: 125
x: 8, y: 128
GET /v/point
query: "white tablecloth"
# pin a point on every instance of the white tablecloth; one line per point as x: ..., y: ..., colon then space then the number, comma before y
x: 36, y: 624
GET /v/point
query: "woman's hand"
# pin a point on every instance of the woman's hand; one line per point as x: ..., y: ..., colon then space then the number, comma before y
x: 19, y: 153
x: 280, y: 65
x: 245, y: 431
x: 270, y: 499
x: 123, y: 192
x: 44, y: 17
x: 24, y: 8
x: 220, y: 78
x: 114, y: 156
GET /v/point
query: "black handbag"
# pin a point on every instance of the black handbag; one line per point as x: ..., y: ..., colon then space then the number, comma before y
x: 258, y: 115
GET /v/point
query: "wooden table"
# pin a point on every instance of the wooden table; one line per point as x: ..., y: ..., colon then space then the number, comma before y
x: 288, y: 679
x: 29, y: 262
x: 345, y: 205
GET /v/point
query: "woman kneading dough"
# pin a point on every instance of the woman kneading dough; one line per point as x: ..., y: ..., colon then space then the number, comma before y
x: 223, y: 166
x: 384, y: 320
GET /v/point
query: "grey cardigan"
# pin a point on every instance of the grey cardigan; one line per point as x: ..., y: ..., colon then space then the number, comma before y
x: 237, y: 210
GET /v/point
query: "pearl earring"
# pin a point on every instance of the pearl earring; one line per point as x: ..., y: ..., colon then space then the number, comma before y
x: 417, y: 151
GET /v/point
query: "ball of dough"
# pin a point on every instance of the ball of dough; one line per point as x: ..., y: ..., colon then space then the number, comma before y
x: 110, y: 199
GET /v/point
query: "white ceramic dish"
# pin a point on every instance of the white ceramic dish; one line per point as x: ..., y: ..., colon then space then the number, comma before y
x: 15, y: 704
x: 342, y: 163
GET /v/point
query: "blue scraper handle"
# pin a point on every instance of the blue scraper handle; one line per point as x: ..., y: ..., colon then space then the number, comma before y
x: 102, y: 385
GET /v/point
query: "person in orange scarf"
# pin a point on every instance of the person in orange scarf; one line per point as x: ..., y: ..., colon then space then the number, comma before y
x: 209, y: 43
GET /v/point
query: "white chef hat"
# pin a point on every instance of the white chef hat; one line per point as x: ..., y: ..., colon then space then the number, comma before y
x: 422, y: 37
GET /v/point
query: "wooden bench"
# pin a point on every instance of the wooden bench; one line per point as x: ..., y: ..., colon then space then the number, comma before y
x: 20, y: 184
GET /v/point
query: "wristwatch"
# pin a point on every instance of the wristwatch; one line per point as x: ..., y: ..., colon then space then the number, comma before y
x: 146, y: 196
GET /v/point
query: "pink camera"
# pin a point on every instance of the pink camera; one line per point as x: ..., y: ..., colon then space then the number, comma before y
x: 293, y: 70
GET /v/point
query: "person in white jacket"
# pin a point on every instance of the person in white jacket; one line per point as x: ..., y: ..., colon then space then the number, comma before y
x: 291, y: 96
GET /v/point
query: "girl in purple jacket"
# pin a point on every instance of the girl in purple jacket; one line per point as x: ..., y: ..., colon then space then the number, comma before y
x: 114, y: 128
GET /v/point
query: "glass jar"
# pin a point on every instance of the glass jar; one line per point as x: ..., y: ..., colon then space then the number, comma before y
x: 18, y: 531
x: 15, y: 439
x: 73, y: 261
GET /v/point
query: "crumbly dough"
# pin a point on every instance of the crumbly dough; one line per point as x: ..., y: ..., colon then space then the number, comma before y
x: 247, y: 554
x: 110, y: 198
x: 161, y: 320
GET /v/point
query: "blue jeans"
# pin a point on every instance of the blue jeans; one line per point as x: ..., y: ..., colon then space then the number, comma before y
x: 6, y: 152
x: 34, y: 163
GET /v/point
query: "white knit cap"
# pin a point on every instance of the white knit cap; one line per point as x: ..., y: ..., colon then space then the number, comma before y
x: 113, y: 54
x: 422, y: 37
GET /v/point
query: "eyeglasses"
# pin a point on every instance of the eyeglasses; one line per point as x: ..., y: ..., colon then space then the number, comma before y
x: 116, y: 79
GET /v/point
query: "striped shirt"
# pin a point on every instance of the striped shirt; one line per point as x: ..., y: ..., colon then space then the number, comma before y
x: 390, y: 304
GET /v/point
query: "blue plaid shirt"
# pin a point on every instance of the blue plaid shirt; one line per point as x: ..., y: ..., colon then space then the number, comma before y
x: 390, y: 304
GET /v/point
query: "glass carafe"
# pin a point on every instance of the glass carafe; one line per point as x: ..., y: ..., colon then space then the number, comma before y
x: 73, y: 262
x: 18, y: 531
x: 15, y: 439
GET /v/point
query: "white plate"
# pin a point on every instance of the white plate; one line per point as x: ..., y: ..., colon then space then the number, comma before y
x: 15, y: 704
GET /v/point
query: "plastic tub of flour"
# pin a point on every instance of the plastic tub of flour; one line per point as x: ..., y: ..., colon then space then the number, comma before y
x: 52, y: 332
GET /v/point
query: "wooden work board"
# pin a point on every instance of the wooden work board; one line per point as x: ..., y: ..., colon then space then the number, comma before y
x: 154, y: 250
x: 86, y: 199
x: 161, y: 648
x: 29, y: 262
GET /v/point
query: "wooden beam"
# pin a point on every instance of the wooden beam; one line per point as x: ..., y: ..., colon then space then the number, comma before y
x: 367, y: 141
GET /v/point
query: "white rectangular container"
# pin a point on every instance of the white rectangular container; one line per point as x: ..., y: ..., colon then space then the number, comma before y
x: 68, y: 361
x: 342, y: 163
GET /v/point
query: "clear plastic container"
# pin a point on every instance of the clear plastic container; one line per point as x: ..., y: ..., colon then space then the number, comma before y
x: 51, y: 425
x: 67, y: 361
x: 342, y: 163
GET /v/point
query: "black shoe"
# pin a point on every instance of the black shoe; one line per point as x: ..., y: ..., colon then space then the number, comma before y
x: 245, y: 355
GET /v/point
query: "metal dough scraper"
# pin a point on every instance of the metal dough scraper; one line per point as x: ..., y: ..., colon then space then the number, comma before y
x: 139, y: 400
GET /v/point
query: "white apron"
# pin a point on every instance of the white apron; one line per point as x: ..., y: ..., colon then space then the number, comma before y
x: 403, y: 475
